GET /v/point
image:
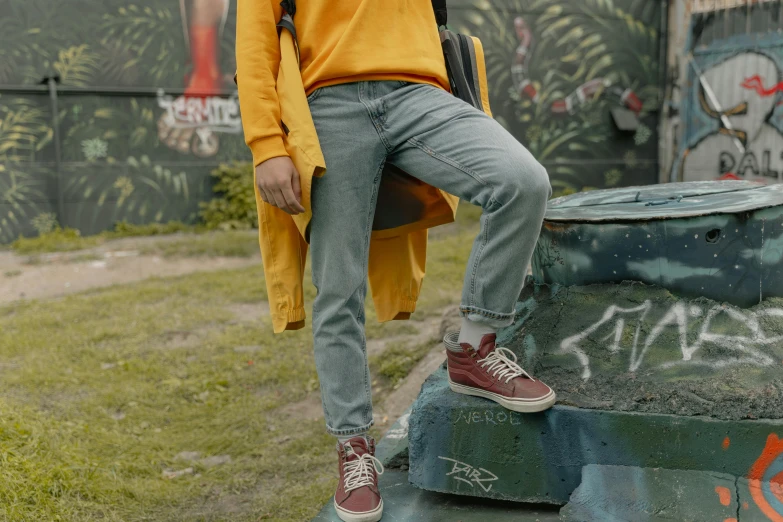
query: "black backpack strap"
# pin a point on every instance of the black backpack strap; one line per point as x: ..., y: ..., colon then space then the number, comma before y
x: 287, y: 22
x: 289, y: 6
x: 441, y: 12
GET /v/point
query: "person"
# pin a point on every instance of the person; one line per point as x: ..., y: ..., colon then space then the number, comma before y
x: 378, y: 93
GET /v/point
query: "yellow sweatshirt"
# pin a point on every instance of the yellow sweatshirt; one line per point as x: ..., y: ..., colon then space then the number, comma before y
x: 340, y: 41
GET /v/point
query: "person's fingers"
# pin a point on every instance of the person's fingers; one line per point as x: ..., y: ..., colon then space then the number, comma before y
x: 262, y: 193
x: 280, y: 201
x: 297, y: 192
x: 294, y: 207
x: 292, y: 202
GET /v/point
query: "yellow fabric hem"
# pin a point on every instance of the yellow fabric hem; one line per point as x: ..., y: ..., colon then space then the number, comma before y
x: 399, y: 311
x: 291, y: 320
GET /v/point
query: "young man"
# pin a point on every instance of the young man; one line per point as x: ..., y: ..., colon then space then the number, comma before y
x: 377, y: 90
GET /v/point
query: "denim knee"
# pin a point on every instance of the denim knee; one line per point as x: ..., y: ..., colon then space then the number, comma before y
x: 527, y: 182
x: 540, y: 187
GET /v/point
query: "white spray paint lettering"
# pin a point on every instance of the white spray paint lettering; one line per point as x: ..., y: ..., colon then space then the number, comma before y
x: 488, y: 417
x: 213, y: 113
x: 745, y: 347
x: 470, y: 475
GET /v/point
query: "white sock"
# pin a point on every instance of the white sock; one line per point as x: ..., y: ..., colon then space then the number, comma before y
x: 471, y: 332
x: 343, y: 439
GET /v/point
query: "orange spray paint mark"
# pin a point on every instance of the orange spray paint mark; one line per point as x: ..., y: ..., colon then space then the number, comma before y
x: 772, y: 451
x: 745, y: 506
x: 730, y: 520
x: 724, y: 495
x: 726, y: 443
x: 776, y: 486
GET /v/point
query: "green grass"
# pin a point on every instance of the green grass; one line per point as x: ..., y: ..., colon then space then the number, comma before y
x: 397, y: 361
x: 69, y: 239
x: 102, y: 390
x: 232, y: 243
x: 59, y: 240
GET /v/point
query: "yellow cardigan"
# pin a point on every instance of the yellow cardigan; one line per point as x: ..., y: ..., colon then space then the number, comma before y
x: 397, y: 251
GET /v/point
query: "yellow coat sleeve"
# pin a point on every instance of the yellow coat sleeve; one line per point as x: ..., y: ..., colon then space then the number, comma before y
x: 258, y: 62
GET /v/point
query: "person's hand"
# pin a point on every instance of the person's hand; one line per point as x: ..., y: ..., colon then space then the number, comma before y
x: 278, y: 183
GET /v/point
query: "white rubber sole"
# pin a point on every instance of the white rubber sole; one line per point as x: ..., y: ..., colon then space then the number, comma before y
x: 518, y: 405
x: 349, y: 516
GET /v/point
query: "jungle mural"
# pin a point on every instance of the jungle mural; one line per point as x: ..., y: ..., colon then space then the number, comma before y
x: 732, y: 115
x: 557, y: 67
x: 159, y: 111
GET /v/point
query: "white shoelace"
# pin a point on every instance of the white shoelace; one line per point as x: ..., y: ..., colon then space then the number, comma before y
x: 502, y: 362
x: 358, y: 472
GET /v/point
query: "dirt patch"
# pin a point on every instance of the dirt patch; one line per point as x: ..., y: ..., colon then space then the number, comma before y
x: 180, y: 339
x: 55, y: 278
x: 118, y: 261
x: 308, y: 408
x: 249, y: 312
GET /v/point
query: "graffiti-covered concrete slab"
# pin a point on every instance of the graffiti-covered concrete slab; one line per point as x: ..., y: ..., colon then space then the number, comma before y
x: 656, y: 314
x: 622, y: 493
x: 634, y: 347
x: 473, y: 446
x: 404, y: 503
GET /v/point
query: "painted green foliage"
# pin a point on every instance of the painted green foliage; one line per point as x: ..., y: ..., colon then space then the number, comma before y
x: 144, y: 158
x: 557, y: 67
x: 147, y: 158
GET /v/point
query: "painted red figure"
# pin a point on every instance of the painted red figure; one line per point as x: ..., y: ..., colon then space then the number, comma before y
x: 203, y: 31
x: 202, y: 21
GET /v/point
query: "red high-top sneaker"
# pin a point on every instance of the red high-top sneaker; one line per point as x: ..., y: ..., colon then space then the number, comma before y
x: 358, y: 498
x: 492, y: 372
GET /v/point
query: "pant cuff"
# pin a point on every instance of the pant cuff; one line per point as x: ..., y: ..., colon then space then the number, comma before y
x: 349, y: 431
x: 493, y: 319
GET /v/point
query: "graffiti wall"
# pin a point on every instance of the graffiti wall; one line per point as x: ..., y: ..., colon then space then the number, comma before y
x: 732, y: 119
x: 557, y: 68
x: 146, y: 109
x: 146, y: 105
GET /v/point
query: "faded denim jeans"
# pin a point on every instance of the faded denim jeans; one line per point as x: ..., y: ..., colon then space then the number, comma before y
x: 446, y: 143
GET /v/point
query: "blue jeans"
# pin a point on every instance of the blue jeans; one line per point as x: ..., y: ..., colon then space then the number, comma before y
x: 446, y: 143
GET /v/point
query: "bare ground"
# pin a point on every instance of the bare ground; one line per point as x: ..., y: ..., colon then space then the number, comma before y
x: 116, y: 262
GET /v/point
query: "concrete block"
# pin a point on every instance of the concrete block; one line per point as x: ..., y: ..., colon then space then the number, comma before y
x: 392, y: 450
x: 759, y: 502
x: 472, y: 446
x: 640, y: 348
x: 622, y: 493
x: 404, y: 503
x: 761, y: 490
